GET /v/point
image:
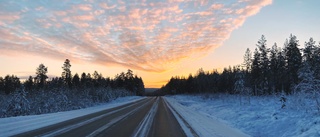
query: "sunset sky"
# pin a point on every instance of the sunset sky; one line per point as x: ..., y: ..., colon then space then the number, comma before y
x: 157, y: 39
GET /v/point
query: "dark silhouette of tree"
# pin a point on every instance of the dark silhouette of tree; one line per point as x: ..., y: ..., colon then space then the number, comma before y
x: 97, y: 79
x: 256, y: 72
x: 1, y: 85
x: 28, y: 84
x: 138, y: 86
x: 83, y: 79
x: 66, y: 73
x: 41, y: 77
x: 11, y: 83
x: 130, y: 82
x: 88, y: 80
x: 190, y: 84
x: 76, y: 80
x: 263, y: 65
x: 281, y: 71
x: 293, y: 60
x: 120, y: 79
x: 274, y: 68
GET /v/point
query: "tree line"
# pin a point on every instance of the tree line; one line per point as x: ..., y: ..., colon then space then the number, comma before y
x: 40, y: 95
x: 128, y: 81
x: 265, y: 71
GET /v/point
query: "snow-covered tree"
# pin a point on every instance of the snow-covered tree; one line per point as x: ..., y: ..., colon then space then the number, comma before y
x: 247, y: 60
x: 308, y: 88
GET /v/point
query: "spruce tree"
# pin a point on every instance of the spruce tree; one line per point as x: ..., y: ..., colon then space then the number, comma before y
x: 263, y: 64
x: 247, y: 60
x: 274, y: 67
x: 293, y: 60
x: 66, y: 73
x: 255, y: 72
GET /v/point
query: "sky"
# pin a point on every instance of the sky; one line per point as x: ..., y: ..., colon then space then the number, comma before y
x: 157, y: 39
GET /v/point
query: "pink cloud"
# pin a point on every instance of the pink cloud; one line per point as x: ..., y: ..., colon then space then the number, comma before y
x: 106, y: 6
x: 216, y: 6
x: 9, y: 17
x: 60, y: 13
x: 84, y: 7
x: 150, y: 36
x: 98, y: 12
x: 122, y: 8
x: 83, y: 18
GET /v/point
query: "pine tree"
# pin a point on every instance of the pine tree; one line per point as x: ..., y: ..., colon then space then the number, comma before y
x: 41, y: 75
x: 66, y: 73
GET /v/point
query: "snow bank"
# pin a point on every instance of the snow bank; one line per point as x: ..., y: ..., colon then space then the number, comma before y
x: 15, y: 125
x: 259, y: 116
x: 203, y: 125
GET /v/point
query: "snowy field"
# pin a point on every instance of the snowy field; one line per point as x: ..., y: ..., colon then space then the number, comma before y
x: 201, y: 125
x: 14, y: 125
x: 256, y: 116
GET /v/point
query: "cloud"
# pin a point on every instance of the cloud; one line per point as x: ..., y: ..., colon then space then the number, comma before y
x: 84, y: 7
x: 147, y: 35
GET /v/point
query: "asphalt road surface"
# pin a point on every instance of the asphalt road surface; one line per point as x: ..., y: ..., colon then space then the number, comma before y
x: 148, y: 117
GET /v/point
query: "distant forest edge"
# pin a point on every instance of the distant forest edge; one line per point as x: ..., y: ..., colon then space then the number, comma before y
x: 37, y: 95
x: 275, y: 70
x: 127, y: 81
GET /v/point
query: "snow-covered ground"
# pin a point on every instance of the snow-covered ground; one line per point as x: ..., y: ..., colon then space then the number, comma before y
x: 202, y: 125
x: 208, y: 115
x: 257, y: 116
x: 14, y: 125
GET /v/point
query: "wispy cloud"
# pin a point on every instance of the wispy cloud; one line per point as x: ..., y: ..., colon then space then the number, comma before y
x: 149, y: 35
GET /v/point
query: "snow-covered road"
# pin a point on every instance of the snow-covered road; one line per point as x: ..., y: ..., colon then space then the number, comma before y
x: 133, y: 116
x: 15, y: 125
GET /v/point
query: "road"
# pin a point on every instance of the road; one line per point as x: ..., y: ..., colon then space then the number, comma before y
x: 148, y: 117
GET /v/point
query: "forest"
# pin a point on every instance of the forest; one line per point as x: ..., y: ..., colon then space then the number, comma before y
x: 265, y: 71
x: 39, y: 94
